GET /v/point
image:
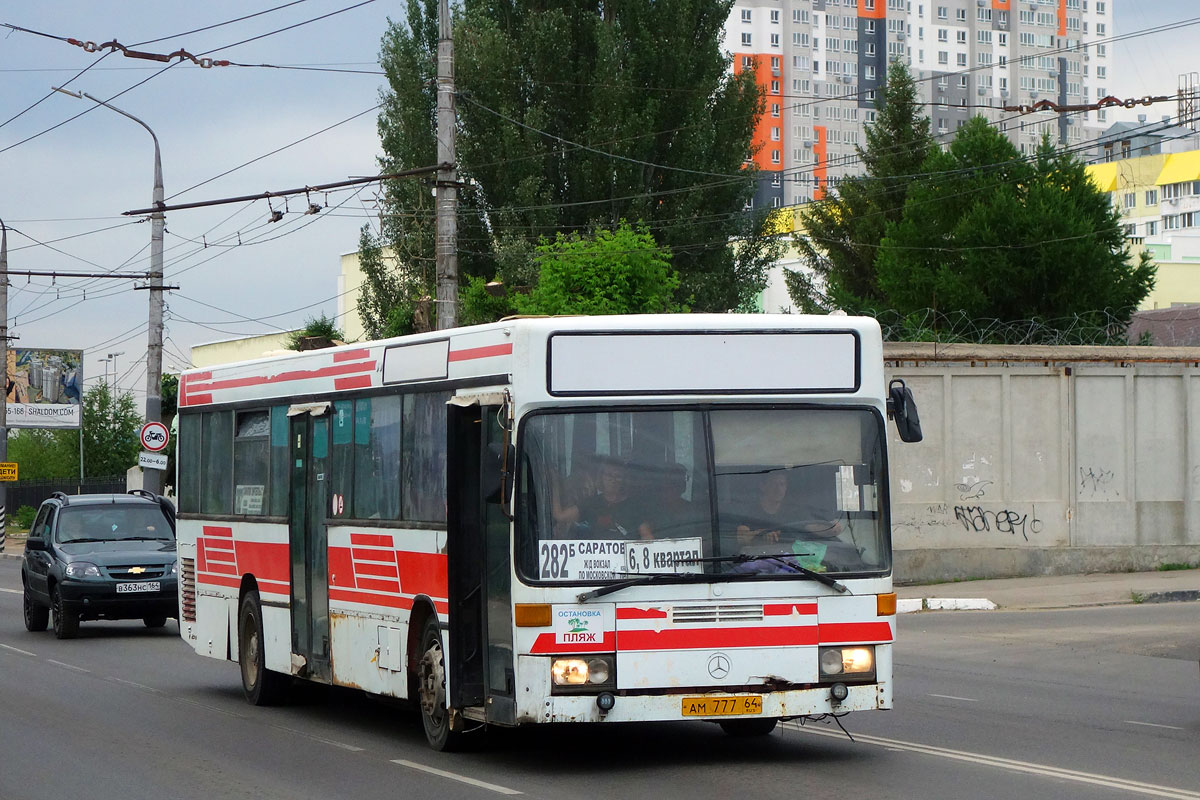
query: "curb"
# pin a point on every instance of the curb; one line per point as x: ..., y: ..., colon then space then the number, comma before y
x: 914, y: 604
x: 1184, y: 595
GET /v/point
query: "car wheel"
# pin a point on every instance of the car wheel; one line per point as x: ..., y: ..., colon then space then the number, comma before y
x: 37, y: 616
x: 261, y: 686
x: 154, y: 622
x: 66, y: 621
x: 431, y: 691
x: 748, y: 727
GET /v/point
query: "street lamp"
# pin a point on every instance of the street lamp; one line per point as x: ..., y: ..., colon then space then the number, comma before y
x: 151, y: 478
x: 113, y: 358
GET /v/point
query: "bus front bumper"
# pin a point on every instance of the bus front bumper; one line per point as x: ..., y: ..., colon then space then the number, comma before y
x: 664, y: 707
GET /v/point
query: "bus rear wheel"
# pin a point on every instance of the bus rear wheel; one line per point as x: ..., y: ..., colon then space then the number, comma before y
x: 431, y: 690
x: 261, y: 686
x: 748, y: 727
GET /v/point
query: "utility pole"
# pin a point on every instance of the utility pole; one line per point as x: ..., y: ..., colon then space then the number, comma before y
x: 446, y: 261
x: 151, y: 478
x: 4, y: 388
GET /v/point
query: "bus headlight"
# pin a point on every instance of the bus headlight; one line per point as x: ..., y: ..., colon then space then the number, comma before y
x: 586, y: 674
x: 847, y: 663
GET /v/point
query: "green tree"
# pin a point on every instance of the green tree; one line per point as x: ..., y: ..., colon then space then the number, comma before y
x: 320, y: 328
x: 43, y: 454
x: 615, y: 272
x: 839, y: 235
x: 110, y: 432
x: 571, y: 120
x: 996, y: 236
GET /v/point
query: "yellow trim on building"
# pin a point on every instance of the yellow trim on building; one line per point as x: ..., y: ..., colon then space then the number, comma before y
x: 1104, y: 176
x: 1180, y: 167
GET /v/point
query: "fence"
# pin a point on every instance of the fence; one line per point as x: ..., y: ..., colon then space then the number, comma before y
x: 1043, y: 460
x: 32, y: 493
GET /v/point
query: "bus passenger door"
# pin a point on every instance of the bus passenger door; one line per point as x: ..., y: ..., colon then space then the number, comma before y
x: 480, y: 557
x: 309, y: 550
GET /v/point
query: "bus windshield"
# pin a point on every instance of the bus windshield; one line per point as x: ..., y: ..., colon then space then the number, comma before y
x: 606, y: 495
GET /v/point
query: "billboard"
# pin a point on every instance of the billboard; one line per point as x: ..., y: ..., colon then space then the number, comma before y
x: 45, y: 388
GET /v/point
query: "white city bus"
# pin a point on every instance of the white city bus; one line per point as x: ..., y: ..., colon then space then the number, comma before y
x: 576, y: 519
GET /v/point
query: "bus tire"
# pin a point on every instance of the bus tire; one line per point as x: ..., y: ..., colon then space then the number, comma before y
x: 431, y: 690
x: 748, y: 727
x: 261, y: 686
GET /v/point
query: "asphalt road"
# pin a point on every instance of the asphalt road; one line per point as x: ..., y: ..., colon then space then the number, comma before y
x: 1087, y: 703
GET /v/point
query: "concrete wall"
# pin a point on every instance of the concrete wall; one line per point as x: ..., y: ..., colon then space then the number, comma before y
x: 1040, y: 460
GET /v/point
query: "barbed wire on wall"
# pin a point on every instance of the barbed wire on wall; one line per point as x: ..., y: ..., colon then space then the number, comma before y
x: 1171, y: 327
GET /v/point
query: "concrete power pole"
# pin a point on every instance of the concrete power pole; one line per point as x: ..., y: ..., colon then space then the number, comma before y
x: 446, y: 261
x: 4, y: 388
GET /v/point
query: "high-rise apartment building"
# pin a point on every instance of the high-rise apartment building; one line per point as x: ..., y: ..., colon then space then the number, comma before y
x: 821, y: 63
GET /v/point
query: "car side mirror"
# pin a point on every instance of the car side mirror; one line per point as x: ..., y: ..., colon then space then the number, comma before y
x: 902, y: 408
x: 35, y: 543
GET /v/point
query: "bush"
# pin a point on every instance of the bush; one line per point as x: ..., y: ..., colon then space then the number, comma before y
x: 23, y: 519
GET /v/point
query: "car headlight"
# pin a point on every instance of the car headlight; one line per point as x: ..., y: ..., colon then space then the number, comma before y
x: 82, y: 569
x: 174, y: 567
x: 847, y: 663
x: 582, y: 673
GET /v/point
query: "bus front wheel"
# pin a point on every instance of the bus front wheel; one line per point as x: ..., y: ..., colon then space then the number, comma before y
x: 261, y: 686
x: 431, y: 690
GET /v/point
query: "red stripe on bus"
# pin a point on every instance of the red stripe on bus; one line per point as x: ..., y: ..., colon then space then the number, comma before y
x: 785, y: 609
x: 387, y: 601
x: 373, y: 539
x: 708, y: 638
x: 376, y: 585
x: 197, y: 400
x: 287, y: 377
x: 480, y: 352
x: 356, y: 382
x: 855, y: 632
x: 376, y: 570
x: 545, y: 643
x: 213, y: 530
x: 209, y: 579
x: 374, y: 556
x: 351, y: 355
x: 264, y: 560
x: 641, y: 613
x: 341, y: 567
x: 423, y: 573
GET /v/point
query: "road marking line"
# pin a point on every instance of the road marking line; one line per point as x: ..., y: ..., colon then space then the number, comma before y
x: 952, y: 697
x: 68, y: 666
x: 141, y: 686
x: 455, y: 777
x: 1027, y: 767
x: 18, y: 650
x: 11, y: 591
x: 1152, y: 725
x: 207, y: 707
x: 310, y: 737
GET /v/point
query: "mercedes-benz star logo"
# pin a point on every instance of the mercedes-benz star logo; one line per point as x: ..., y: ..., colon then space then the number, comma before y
x: 718, y: 666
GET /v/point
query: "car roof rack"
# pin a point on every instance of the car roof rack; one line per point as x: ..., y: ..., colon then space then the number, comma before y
x: 143, y: 493
x: 61, y: 496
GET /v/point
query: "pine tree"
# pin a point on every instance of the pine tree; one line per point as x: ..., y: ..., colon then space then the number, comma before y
x: 839, y: 235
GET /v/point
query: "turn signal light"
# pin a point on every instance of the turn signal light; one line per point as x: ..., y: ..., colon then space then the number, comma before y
x: 532, y: 615
x: 885, y: 604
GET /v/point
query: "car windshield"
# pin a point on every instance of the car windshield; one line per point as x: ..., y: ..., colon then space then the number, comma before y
x: 606, y: 495
x: 112, y: 523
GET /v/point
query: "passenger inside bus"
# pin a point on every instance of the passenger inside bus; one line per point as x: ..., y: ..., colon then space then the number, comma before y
x: 667, y: 511
x: 612, y: 512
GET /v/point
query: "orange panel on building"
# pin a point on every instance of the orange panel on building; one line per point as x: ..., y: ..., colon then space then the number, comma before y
x: 1062, y: 17
x: 872, y: 9
x: 1002, y: 5
x: 771, y: 87
x: 820, y: 170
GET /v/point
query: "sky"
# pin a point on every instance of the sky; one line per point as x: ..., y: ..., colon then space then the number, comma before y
x: 62, y: 192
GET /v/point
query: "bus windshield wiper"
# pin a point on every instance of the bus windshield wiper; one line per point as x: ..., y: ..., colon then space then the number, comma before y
x: 644, y: 578
x: 785, y: 559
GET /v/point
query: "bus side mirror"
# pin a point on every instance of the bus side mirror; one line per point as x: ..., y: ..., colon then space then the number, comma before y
x: 506, y: 460
x: 903, y: 409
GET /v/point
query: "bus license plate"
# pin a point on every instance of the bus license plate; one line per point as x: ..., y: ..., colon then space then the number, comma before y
x: 140, y: 586
x: 722, y: 706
